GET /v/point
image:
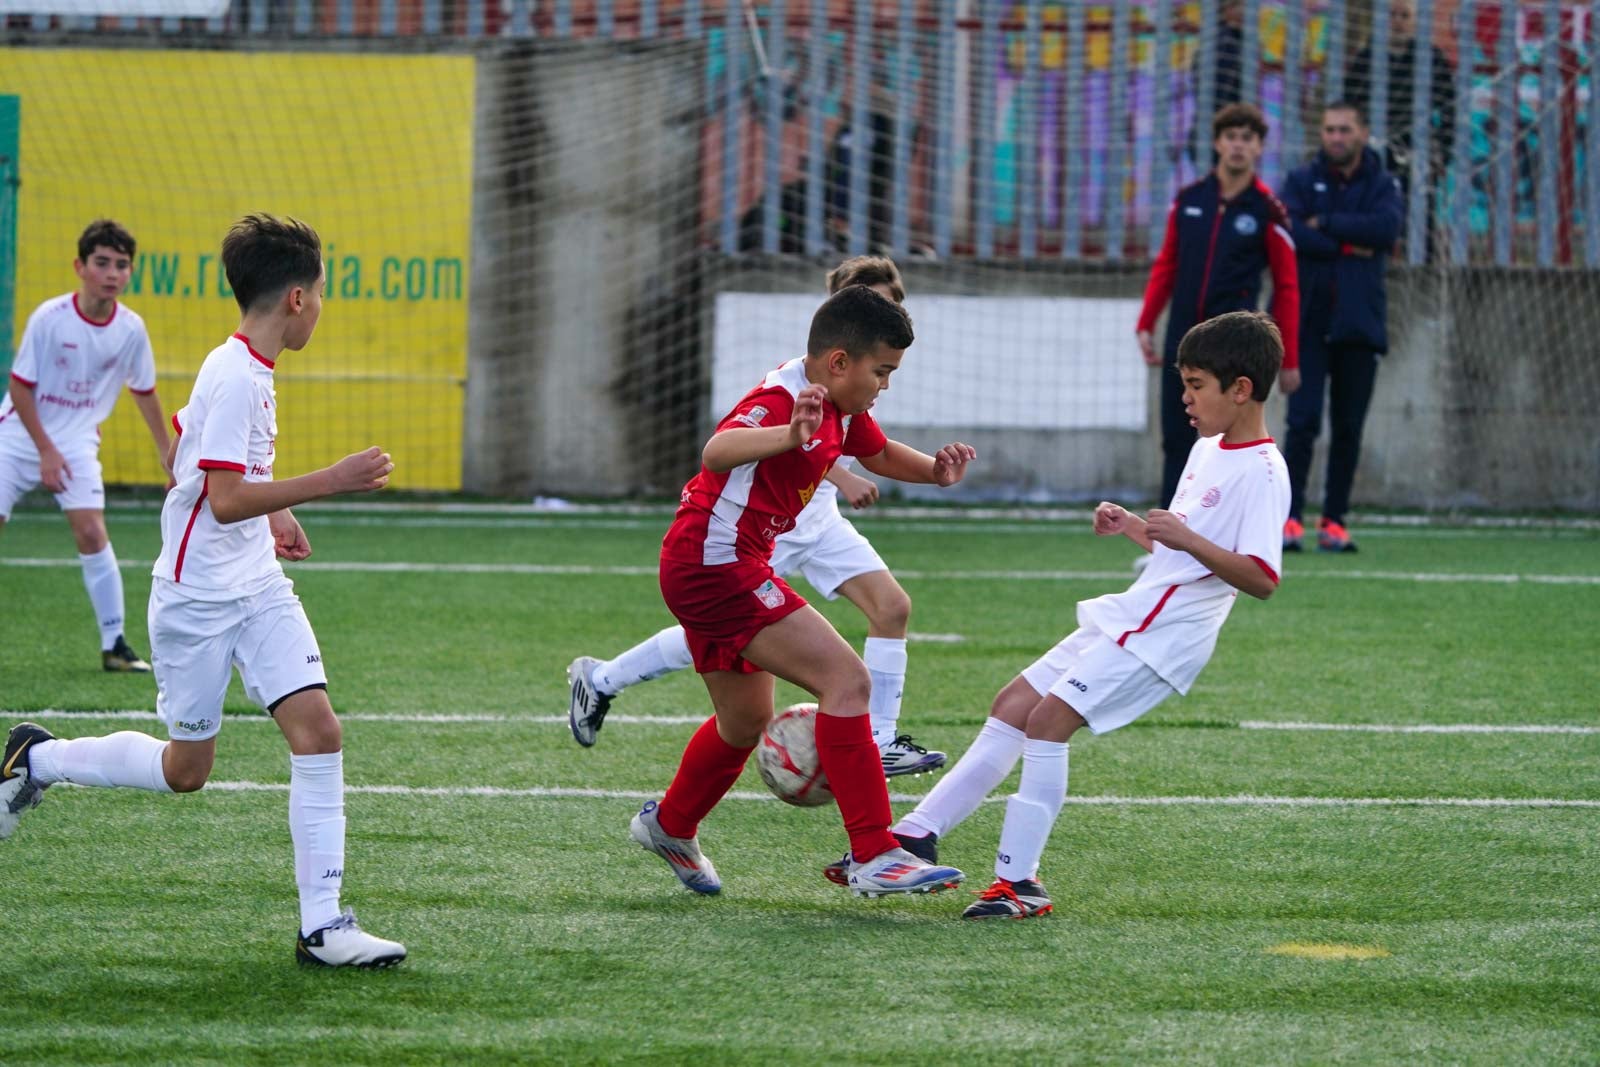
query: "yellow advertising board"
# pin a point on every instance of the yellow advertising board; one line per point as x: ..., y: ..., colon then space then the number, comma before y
x: 373, y: 151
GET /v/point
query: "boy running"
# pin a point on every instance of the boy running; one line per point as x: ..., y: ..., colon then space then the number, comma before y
x: 220, y: 598
x: 835, y: 558
x: 77, y: 351
x: 743, y: 622
x: 1220, y: 536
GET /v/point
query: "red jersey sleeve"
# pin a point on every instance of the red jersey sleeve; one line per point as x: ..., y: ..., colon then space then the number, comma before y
x: 1158, y: 290
x: 763, y: 407
x: 1281, y: 262
x: 865, y: 437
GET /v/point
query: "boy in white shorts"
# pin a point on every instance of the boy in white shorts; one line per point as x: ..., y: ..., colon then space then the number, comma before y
x: 835, y: 558
x: 77, y: 352
x: 220, y: 598
x: 1221, y: 535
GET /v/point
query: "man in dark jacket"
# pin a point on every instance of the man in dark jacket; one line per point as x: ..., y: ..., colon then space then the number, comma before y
x: 1405, y: 47
x: 1222, y: 232
x: 1345, y: 212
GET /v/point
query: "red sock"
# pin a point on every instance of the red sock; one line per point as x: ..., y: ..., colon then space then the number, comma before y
x: 707, y: 771
x: 855, y: 774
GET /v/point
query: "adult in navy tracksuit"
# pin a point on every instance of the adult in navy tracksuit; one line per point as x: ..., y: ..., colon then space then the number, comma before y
x: 1222, y: 232
x: 1345, y: 212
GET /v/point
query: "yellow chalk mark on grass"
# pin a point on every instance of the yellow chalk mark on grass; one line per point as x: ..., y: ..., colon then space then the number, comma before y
x: 1317, y: 951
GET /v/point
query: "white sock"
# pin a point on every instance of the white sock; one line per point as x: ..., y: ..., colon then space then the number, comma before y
x: 1031, y: 811
x: 316, y: 824
x: 104, y: 582
x: 981, y: 768
x: 664, y: 653
x: 127, y: 758
x: 885, y: 658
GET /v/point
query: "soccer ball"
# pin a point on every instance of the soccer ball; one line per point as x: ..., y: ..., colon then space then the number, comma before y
x: 787, y: 758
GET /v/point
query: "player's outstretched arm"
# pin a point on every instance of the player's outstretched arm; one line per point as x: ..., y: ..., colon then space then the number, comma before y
x: 1112, y: 519
x: 738, y: 445
x: 905, y: 464
x: 233, y: 499
x: 860, y: 492
x: 1238, y: 570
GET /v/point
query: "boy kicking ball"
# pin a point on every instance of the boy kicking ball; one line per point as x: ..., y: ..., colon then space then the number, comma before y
x: 744, y: 623
x: 1220, y: 536
x: 220, y: 599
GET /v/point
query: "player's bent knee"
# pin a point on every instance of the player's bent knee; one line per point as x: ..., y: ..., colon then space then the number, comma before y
x: 847, y: 689
x: 892, y: 614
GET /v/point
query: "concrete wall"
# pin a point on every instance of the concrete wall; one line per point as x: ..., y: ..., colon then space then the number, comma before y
x: 584, y: 216
x: 1485, y: 399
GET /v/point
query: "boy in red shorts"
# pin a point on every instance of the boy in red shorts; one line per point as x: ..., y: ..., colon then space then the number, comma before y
x: 745, y: 625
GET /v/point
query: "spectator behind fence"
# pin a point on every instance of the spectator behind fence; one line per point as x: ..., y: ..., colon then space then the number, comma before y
x: 1222, y: 232
x: 1227, y: 69
x: 1403, y: 48
x: 1344, y: 212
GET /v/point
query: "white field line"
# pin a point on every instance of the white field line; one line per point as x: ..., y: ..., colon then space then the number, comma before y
x: 905, y: 511
x: 1421, y: 728
x: 411, y: 567
x: 1245, y: 800
x: 896, y: 520
x: 694, y: 720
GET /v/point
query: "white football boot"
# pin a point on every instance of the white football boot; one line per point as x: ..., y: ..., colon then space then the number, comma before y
x: 342, y: 943
x: 898, y: 871
x: 682, y: 854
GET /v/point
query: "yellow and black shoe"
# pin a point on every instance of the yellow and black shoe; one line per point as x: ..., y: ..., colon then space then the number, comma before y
x: 19, y: 793
x: 120, y: 659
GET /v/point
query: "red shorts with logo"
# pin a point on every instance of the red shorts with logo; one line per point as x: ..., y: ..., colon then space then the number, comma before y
x: 722, y: 608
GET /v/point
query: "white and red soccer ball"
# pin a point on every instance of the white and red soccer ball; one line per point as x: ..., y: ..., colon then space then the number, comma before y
x: 786, y: 758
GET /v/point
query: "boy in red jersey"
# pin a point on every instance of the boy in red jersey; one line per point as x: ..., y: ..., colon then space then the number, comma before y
x: 745, y: 624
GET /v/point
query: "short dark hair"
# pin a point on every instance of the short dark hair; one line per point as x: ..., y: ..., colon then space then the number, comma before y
x: 857, y: 319
x: 1350, y: 106
x: 1231, y: 116
x: 1239, y: 344
x: 264, y: 255
x: 868, y: 271
x: 108, y: 234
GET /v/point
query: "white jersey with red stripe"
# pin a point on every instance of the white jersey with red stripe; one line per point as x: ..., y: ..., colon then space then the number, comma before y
x: 76, y: 367
x: 229, y: 423
x: 730, y: 515
x: 1235, y: 496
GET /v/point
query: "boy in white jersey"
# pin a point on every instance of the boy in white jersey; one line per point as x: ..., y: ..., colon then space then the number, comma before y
x: 220, y: 598
x: 836, y: 559
x: 1221, y: 535
x: 77, y: 352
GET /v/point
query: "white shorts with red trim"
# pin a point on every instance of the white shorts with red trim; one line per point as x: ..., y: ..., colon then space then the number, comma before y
x: 195, y: 644
x: 1100, y: 680
x: 19, y: 473
x: 837, y: 553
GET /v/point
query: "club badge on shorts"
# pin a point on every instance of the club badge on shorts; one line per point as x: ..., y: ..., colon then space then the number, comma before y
x: 770, y: 595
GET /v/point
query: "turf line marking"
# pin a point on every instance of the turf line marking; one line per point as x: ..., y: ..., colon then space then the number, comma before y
x: 412, y: 567
x: 975, y: 513
x: 694, y: 720
x: 1421, y: 728
x: 936, y: 639
x: 1242, y: 800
